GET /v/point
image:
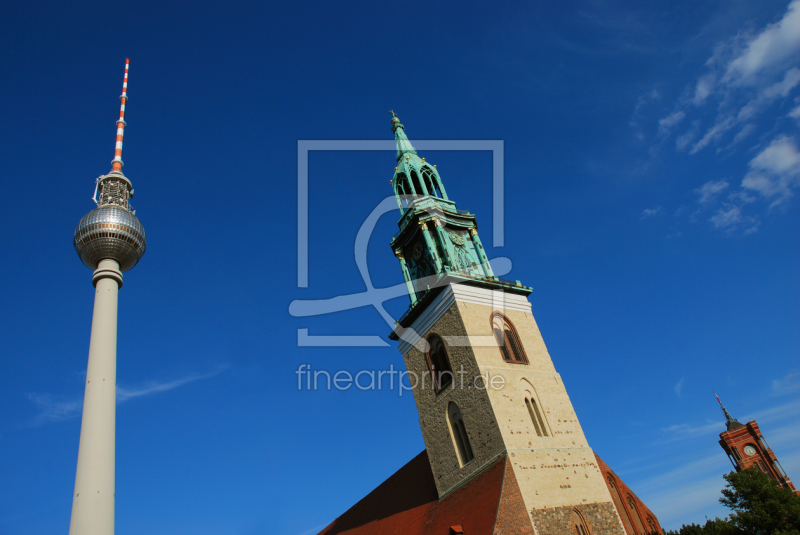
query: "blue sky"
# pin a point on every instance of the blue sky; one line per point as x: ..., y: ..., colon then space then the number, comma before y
x: 651, y: 172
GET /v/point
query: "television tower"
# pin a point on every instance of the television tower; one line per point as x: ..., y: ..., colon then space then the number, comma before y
x: 109, y: 240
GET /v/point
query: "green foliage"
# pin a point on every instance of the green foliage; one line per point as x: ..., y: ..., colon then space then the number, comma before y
x: 759, y: 506
x: 711, y: 527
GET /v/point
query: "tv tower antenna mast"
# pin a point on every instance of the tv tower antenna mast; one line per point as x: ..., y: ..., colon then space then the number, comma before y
x: 109, y: 240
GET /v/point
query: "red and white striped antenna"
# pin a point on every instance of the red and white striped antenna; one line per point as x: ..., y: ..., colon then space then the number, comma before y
x: 116, y: 163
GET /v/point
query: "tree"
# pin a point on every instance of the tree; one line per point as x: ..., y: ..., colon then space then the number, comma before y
x: 711, y: 527
x: 758, y: 504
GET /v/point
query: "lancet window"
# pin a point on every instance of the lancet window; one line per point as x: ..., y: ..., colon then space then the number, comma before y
x: 536, y: 416
x: 621, y: 509
x: 579, y: 524
x: 439, y: 363
x: 507, y: 340
x: 432, y: 183
x: 459, y: 434
x: 417, y: 184
x: 635, y: 514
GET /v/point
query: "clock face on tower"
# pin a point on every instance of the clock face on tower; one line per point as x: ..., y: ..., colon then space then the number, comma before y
x: 749, y: 450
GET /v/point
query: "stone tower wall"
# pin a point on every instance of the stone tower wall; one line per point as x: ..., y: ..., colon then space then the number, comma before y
x: 555, y: 473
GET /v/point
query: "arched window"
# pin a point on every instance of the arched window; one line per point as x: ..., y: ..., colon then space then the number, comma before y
x: 538, y: 423
x: 652, y: 524
x: 507, y: 340
x: 635, y: 514
x: 736, y: 455
x: 535, y: 409
x: 578, y: 524
x: 403, y: 190
x: 459, y: 434
x: 621, y: 509
x: 416, y: 183
x: 432, y: 183
x: 439, y: 363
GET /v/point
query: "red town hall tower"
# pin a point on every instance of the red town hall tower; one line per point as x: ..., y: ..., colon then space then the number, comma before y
x: 746, y: 448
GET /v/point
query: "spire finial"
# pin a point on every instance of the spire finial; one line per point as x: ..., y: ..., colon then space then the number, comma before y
x: 116, y: 163
x: 404, y: 146
x: 730, y: 421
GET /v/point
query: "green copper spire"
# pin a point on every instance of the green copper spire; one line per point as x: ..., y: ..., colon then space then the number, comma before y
x: 437, y: 244
x: 404, y: 146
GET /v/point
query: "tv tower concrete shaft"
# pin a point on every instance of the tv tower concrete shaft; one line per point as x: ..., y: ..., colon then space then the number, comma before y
x: 93, y: 500
x: 110, y: 240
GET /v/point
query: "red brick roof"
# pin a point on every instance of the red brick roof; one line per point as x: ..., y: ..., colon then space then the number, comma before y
x: 632, y: 527
x: 407, y: 504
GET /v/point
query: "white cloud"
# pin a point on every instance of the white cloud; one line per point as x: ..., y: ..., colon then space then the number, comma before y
x: 153, y: 387
x: 775, y: 171
x: 647, y: 212
x: 52, y: 409
x: 795, y: 113
x: 727, y: 216
x: 709, y: 190
x: 782, y: 88
x: 687, y: 491
x: 683, y: 140
x: 743, y: 75
x: 787, y: 385
x: 681, y: 431
x: 776, y: 90
x: 703, y: 89
x: 641, y: 102
x: 770, y: 50
x: 744, y: 132
x: 666, y: 123
x: 679, y: 386
x: 722, y: 125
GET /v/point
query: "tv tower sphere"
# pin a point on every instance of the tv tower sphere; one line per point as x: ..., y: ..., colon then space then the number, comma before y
x: 111, y: 231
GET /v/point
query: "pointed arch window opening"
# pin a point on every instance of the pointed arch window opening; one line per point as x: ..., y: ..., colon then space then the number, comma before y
x: 405, y: 192
x: 621, y: 509
x: 507, y: 340
x: 536, y: 416
x: 635, y: 513
x: 439, y: 364
x: 579, y: 524
x: 459, y: 434
x: 419, y: 187
x: 432, y: 183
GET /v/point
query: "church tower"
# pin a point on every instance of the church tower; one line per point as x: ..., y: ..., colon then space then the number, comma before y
x: 747, y: 448
x: 487, y: 386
